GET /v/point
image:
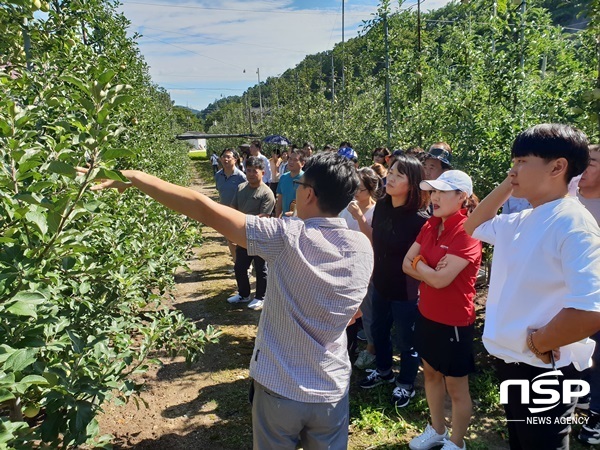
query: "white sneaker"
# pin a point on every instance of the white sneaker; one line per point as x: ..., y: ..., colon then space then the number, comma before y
x: 429, y: 438
x: 449, y: 445
x: 256, y: 304
x: 364, y: 360
x: 237, y: 298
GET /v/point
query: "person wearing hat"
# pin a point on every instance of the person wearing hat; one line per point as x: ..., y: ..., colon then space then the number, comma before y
x: 437, y: 160
x: 349, y: 153
x: 446, y: 260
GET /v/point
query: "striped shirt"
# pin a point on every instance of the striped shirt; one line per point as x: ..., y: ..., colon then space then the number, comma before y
x: 319, y: 271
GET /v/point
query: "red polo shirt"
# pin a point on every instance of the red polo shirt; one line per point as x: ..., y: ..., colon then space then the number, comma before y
x: 452, y: 305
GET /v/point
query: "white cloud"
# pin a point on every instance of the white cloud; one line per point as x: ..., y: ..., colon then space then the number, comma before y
x: 204, y: 44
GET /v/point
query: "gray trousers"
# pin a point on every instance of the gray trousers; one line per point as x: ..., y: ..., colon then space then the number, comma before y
x: 280, y: 423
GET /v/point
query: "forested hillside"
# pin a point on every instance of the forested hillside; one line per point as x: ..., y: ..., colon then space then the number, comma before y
x: 475, y: 74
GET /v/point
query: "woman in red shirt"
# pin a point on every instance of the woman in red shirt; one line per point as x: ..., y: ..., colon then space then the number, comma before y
x: 446, y: 260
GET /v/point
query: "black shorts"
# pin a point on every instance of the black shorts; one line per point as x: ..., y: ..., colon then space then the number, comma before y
x: 445, y: 348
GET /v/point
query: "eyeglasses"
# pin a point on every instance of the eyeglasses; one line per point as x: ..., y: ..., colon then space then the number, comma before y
x: 302, y: 183
x: 441, y: 154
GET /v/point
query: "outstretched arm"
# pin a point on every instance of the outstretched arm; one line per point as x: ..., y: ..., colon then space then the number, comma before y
x: 227, y: 221
x: 489, y: 206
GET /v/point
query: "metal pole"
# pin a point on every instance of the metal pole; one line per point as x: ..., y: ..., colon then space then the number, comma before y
x: 343, y: 64
x: 419, y: 85
x: 249, y: 114
x: 544, y: 64
x: 343, y: 52
x: 495, y: 11
x: 598, y: 74
x: 522, y: 37
x: 332, y: 79
x: 388, y: 113
x: 27, y: 43
x: 259, y: 94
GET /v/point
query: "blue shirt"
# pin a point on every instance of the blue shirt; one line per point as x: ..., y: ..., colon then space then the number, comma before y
x: 287, y: 189
x: 228, y: 186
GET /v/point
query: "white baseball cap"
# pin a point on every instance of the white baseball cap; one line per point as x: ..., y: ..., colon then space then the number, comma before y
x: 451, y: 180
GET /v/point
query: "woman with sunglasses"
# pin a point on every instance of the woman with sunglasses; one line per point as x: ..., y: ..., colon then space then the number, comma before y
x: 446, y: 259
x: 397, y: 220
x: 381, y: 155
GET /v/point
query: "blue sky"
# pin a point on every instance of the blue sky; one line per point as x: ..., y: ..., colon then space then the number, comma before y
x: 202, y: 50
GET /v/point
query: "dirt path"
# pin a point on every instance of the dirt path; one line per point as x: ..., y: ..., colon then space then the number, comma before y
x: 205, y: 405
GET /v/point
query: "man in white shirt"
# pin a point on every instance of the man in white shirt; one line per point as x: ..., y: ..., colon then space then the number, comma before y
x: 544, y: 296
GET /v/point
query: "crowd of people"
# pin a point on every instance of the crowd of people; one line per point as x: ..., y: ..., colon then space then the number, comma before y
x: 397, y: 246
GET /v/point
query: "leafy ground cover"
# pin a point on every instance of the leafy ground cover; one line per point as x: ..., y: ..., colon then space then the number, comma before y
x: 205, y: 405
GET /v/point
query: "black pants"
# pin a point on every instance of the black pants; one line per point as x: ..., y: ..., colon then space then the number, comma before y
x: 525, y: 432
x: 242, y: 264
x: 351, y: 335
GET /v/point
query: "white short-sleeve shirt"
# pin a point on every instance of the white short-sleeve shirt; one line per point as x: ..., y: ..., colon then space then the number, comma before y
x: 545, y: 259
x: 351, y: 221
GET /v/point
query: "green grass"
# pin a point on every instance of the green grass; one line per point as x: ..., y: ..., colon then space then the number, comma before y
x: 204, y: 169
x: 198, y: 154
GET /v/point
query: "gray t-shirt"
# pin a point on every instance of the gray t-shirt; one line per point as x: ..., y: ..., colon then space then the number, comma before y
x: 254, y: 201
x: 592, y: 205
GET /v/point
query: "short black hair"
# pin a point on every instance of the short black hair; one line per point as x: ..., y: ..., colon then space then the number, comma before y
x: 255, y: 162
x: 300, y: 153
x: 334, y: 180
x: 257, y: 144
x: 234, y: 152
x: 551, y: 141
x: 381, y: 151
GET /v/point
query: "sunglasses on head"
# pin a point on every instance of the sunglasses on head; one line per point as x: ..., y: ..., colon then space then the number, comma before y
x: 441, y: 154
